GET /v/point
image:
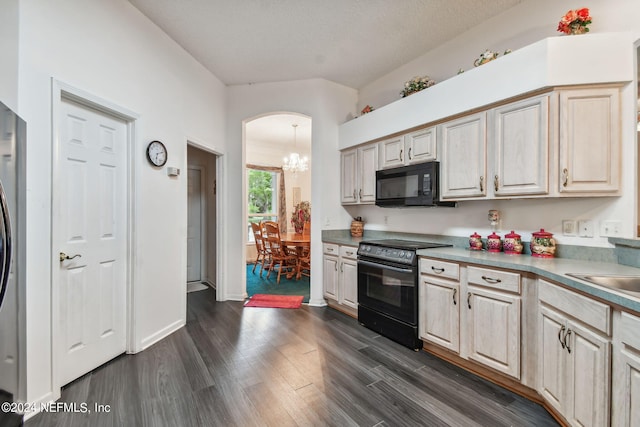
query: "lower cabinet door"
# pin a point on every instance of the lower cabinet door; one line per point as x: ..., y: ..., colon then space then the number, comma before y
x: 551, y: 357
x: 440, y: 313
x: 349, y: 283
x: 494, y: 329
x: 330, y: 276
x: 588, y: 357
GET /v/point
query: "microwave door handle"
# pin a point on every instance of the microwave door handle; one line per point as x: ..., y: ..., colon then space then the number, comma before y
x: 385, y: 267
x: 5, y: 244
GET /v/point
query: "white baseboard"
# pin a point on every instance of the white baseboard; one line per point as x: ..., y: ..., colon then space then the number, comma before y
x: 163, y: 333
x: 37, y: 404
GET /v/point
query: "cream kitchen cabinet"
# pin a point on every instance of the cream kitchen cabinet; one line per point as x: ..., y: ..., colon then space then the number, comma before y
x: 439, y: 302
x: 479, y: 318
x: 463, y: 158
x: 330, y: 263
x: 414, y: 147
x: 358, y: 175
x: 503, y: 152
x: 574, y: 355
x: 625, y: 384
x: 493, y: 305
x: 340, y: 267
x: 589, y: 141
x: 519, y: 148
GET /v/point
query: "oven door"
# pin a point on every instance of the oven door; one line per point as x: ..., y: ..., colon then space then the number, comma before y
x: 389, y: 289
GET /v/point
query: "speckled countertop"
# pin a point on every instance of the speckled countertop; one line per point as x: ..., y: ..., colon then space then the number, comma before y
x: 554, y: 269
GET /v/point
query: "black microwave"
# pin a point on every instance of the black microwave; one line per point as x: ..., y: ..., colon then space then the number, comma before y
x: 414, y: 185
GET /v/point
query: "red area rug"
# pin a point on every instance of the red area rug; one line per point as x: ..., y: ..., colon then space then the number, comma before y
x: 274, y: 301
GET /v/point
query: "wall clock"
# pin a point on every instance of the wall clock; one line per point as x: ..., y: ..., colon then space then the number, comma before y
x: 157, y: 153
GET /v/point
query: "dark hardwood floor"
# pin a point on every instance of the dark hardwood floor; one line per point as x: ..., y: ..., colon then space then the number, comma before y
x: 235, y: 366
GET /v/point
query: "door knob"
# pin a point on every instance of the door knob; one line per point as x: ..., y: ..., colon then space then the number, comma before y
x: 64, y: 256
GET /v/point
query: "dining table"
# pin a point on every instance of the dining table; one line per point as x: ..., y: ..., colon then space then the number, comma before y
x: 299, y: 241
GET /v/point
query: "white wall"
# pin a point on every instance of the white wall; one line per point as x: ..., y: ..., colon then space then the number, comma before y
x: 108, y: 49
x: 328, y: 104
x: 9, y: 50
x: 515, y: 28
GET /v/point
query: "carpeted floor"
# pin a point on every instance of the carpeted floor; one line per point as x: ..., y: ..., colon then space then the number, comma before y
x: 256, y: 285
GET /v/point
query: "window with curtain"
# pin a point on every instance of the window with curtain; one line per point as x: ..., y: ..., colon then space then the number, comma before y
x: 262, y: 197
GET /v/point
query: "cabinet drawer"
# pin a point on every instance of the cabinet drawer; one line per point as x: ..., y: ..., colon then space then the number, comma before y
x: 496, y: 279
x: 330, y: 249
x: 593, y: 313
x: 432, y: 267
x: 349, y: 252
x: 629, y: 330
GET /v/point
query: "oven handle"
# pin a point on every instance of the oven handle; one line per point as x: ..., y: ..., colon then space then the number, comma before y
x: 386, y: 267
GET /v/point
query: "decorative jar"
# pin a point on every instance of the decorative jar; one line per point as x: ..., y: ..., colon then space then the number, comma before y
x: 494, y: 243
x: 543, y: 245
x: 475, y: 242
x: 512, y: 243
x: 357, y: 227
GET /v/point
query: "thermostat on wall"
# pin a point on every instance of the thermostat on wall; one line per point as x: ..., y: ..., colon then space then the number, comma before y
x: 171, y: 171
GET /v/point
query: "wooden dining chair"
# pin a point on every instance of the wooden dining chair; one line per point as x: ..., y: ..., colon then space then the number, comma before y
x: 262, y: 254
x: 281, y: 259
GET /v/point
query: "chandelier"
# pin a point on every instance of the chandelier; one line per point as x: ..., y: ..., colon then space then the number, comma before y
x: 293, y: 162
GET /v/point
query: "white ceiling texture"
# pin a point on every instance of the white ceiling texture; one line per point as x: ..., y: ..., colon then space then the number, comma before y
x: 351, y: 42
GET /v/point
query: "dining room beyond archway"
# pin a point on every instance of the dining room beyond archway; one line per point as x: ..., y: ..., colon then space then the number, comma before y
x: 278, y: 191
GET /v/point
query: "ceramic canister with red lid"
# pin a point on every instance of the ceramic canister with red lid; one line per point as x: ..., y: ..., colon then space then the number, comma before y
x: 512, y: 243
x: 475, y: 242
x: 494, y: 243
x: 543, y: 245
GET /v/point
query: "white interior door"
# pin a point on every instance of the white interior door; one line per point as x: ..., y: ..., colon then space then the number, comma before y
x: 194, y: 225
x: 92, y: 224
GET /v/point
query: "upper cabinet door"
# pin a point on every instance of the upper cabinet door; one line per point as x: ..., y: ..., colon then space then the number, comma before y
x: 348, y: 182
x: 463, y: 157
x: 520, y: 143
x: 368, y: 158
x: 420, y: 146
x: 589, y: 140
x: 392, y: 152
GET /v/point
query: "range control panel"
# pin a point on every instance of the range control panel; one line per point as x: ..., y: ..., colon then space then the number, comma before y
x: 402, y: 256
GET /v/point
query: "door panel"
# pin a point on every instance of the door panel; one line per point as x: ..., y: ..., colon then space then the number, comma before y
x: 93, y: 225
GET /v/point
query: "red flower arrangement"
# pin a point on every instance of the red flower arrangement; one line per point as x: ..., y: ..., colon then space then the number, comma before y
x: 575, y: 21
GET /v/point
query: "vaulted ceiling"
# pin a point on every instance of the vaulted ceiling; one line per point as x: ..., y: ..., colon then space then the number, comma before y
x: 351, y: 42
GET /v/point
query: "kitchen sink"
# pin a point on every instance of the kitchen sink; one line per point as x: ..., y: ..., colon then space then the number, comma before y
x: 619, y: 282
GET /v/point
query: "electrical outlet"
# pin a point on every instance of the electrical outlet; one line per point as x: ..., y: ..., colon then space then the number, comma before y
x: 568, y: 227
x: 585, y: 228
x: 610, y: 228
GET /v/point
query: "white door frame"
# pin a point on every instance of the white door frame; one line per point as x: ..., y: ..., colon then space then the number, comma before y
x: 203, y: 216
x: 62, y: 91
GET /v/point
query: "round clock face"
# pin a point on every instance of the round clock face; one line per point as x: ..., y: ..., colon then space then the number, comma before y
x: 157, y: 153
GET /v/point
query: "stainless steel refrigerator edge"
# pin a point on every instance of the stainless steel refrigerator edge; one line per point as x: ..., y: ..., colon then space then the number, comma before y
x: 12, y: 255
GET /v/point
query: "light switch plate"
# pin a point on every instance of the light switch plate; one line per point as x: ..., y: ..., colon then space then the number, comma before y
x: 568, y: 227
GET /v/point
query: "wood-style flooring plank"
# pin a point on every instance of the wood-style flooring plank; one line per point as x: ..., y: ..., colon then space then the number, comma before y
x: 313, y: 366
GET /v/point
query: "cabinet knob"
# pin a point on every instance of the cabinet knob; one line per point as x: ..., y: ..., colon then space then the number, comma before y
x: 360, y: 194
x: 354, y: 194
x: 455, y: 291
x: 401, y: 159
x: 469, y: 300
x: 410, y: 153
x: 565, y: 177
x: 482, y: 183
x: 496, y: 182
